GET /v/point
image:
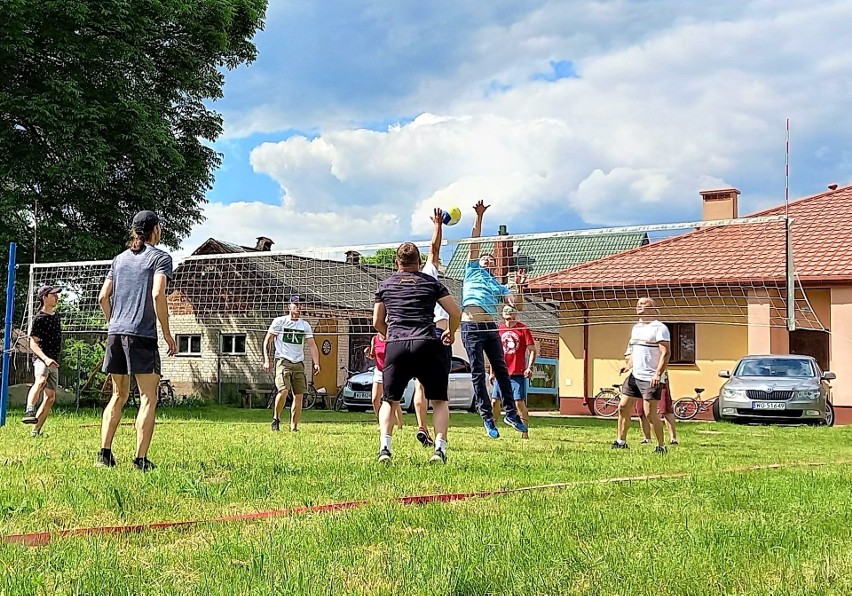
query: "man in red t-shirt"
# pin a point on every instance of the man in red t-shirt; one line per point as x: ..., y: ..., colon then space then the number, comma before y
x: 520, y: 352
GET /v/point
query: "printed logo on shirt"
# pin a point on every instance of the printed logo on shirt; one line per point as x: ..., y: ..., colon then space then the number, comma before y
x: 511, y: 340
x: 292, y: 336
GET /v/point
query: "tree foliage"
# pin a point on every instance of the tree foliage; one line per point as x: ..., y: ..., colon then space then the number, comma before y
x: 385, y: 257
x: 104, y: 112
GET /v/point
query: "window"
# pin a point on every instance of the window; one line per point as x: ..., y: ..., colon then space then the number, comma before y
x: 189, y: 345
x: 459, y: 366
x: 233, y: 343
x: 683, y: 343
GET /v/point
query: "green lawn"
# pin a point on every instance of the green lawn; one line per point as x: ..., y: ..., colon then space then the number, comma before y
x: 787, y: 530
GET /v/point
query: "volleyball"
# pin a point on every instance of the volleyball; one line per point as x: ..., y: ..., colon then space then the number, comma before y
x: 452, y: 216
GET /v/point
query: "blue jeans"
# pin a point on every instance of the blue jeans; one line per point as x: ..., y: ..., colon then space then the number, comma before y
x: 480, y: 340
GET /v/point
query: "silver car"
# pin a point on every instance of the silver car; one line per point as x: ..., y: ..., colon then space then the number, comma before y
x: 357, y: 393
x: 776, y: 388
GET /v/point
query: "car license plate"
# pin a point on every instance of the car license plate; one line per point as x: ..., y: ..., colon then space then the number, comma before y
x: 363, y: 395
x: 768, y: 405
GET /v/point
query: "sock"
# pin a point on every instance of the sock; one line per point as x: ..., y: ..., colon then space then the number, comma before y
x: 386, y: 442
x: 440, y: 444
x: 620, y: 442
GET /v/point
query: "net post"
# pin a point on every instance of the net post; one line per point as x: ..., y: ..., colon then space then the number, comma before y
x: 30, y: 294
x: 791, y: 279
x: 7, y: 334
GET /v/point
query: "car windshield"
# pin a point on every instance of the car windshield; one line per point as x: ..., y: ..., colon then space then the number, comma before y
x: 775, y: 367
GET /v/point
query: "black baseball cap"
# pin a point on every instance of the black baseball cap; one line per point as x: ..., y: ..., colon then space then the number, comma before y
x: 145, y: 221
x: 294, y: 299
x: 45, y: 290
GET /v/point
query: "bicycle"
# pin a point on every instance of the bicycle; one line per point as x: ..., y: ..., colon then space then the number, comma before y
x: 309, y: 398
x: 606, y: 401
x: 687, y: 408
x: 339, y: 405
x: 166, y: 396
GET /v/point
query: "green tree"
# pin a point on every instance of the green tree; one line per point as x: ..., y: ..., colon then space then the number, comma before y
x: 104, y: 111
x: 385, y: 257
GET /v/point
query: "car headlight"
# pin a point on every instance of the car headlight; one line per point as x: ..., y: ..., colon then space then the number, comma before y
x: 811, y: 394
x: 731, y: 393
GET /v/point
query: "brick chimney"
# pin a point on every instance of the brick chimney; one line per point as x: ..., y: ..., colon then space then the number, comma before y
x: 263, y: 244
x: 720, y: 204
x: 353, y: 257
x: 504, y: 252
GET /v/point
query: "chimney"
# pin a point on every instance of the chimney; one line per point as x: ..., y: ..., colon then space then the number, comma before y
x: 263, y: 243
x: 832, y: 186
x: 503, y: 254
x: 720, y: 204
x: 353, y: 257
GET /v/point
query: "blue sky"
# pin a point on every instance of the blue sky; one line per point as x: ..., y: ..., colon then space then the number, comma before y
x: 358, y: 117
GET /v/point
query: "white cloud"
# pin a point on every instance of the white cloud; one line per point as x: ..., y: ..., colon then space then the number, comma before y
x: 672, y: 98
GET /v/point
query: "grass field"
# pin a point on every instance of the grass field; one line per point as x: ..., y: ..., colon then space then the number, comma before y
x: 716, y: 530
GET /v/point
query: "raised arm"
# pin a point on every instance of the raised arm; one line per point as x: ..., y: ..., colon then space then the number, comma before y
x: 476, y: 232
x: 437, y: 234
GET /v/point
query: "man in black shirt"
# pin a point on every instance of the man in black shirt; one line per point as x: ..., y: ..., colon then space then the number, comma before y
x: 404, y: 315
x: 46, y: 345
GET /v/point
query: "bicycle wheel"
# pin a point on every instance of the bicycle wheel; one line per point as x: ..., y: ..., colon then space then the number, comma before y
x: 606, y: 403
x: 309, y: 399
x: 165, y: 395
x: 686, y: 408
x: 338, y: 401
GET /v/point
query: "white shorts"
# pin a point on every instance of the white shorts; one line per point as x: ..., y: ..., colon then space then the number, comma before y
x: 377, y: 376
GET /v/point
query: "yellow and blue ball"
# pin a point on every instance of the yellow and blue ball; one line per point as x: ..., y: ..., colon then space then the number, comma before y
x: 452, y: 216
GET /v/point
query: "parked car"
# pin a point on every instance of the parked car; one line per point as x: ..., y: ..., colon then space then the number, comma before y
x: 357, y: 393
x: 776, y: 388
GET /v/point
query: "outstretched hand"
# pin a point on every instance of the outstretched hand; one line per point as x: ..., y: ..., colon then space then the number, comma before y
x: 480, y: 208
x: 520, y: 277
x: 438, y: 217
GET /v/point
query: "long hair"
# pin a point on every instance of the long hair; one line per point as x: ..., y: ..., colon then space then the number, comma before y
x: 138, y: 240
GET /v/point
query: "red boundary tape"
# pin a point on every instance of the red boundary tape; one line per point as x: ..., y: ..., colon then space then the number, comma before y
x: 43, y: 538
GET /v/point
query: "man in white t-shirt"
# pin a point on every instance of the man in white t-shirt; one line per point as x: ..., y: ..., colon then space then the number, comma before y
x: 290, y: 334
x: 442, y: 321
x: 648, y: 357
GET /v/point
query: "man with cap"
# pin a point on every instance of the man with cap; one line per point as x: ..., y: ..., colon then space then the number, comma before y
x: 133, y: 299
x: 290, y: 333
x: 46, y: 345
x: 520, y: 352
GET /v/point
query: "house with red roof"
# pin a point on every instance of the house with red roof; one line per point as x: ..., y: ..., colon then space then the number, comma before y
x: 722, y: 290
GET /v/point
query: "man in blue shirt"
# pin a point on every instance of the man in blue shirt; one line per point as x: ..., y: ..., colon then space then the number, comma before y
x: 482, y: 292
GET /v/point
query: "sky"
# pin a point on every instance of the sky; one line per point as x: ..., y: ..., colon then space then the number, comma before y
x: 360, y: 116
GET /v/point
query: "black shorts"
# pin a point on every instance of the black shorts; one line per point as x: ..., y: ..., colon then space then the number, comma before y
x: 638, y: 388
x: 131, y: 355
x: 423, y: 359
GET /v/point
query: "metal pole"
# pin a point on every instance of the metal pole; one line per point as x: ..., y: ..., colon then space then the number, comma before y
x: 219, y: 370
x: 788, y: 239
x: 77, y: 386
x: 7, y: 335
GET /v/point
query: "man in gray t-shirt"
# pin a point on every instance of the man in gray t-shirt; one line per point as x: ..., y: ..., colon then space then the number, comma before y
x: 133, y: 299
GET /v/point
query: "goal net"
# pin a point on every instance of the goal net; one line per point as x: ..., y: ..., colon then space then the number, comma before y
x: 734, y: 274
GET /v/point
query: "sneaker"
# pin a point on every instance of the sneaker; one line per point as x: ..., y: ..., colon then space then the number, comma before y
x: 674, y: 442
x: 143, y: 464
x: 661, y: 449
x: 36, y: 432
x: 516, y: 423
x: 384, y: 455
x: 645, y: 442
x: 491, y: 429
x: 29, y: 417
x: 617, y: 445
x: 105, y: 459
x: 275, y: 425
x: 424, y: 438
x: 439, y: 457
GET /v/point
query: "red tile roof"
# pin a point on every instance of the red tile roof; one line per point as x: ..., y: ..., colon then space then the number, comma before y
x: 732, y: 254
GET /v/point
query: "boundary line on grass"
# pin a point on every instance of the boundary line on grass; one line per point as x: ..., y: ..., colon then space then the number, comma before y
x: 43, y: 538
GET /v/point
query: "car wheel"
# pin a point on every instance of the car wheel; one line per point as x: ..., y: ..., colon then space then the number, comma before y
x: 717, y: 413
x: 829, y: 415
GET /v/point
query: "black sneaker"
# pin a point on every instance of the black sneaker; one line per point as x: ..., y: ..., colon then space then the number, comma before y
x: 617, y: 445
x: 424, y: 438
x: 275, y: 425
x: 29, y: 417
x: 105, y: 459
x: 661, y: 449
x: 384, y: 455
x: 143, y: 464
x: 439, y: 457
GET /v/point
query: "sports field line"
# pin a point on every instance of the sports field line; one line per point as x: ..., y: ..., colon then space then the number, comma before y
x: 43, y: 538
